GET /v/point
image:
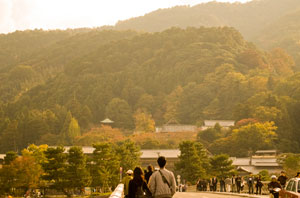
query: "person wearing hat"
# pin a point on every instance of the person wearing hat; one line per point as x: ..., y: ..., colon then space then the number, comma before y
x: 273, y: 186
x: 282, y: 179
x: 126, y: 181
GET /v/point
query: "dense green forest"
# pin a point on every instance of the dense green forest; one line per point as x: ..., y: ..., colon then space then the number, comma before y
x: 249, y: 18
x: 268, y: 23
x: 56, y: 86
x: 58, y: 91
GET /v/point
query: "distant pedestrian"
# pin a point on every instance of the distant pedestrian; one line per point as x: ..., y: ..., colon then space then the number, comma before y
x: 185, y: 186
x: 243, y: 183
x: 228, y: 184
x: 162, y: 183
x: 258, y: 185
x: 250, y: 183
x: 282, y: 179
x: 149, y: 173
x: 204, y: 184
x: 199, y: 185
x: 222, y: 185
x: 215, y: 183
x: 138, y: 186
x: 233, y: 183
x: 211, y: 185
x: 126, y: 181
x: 238, y: 181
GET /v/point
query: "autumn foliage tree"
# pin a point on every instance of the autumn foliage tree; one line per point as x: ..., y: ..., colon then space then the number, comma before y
x: 251, y: 137
x: 144, y: 122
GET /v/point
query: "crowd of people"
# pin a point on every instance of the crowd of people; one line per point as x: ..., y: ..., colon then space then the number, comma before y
x: 157, y: 184
x: 236, y: 184
x: 162, y: 184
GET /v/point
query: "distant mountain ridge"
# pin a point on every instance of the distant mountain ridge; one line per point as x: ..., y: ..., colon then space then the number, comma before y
x: 249, y: 18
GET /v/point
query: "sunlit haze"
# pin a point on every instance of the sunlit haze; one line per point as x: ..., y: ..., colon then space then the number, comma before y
x: 62, y: 14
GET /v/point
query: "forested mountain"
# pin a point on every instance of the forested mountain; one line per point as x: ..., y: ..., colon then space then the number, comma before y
x: 268, y: 23
x: 188, y: 75
x: 249, y: 18
x: 284, y: 33
x: 30, y: 58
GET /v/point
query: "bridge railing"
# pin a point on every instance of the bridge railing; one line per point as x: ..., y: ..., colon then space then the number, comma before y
x: 118, y: 192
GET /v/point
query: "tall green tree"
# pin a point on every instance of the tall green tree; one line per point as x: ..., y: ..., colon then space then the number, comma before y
x: 106, y: 166
x: 190, y: 165
x: 77, y: 175
x: 129, y: 154
x: 70, y: 130
x: 73, y: 131
x: 55, y: 169
x: 221, y: 165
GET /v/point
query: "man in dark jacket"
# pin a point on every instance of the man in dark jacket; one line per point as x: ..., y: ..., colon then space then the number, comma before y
x: 222, y: 185
x: 238, y: 181
x: 250, y: 183
x: 214, y: 183
x: 273, y: 185
x: 282, y: 179
x: 149, y: 173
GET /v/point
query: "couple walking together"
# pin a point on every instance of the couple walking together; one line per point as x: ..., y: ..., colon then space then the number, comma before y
x: 161, y: 183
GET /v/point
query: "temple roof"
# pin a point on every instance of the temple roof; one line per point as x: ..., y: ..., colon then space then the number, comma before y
x: 107, y: 121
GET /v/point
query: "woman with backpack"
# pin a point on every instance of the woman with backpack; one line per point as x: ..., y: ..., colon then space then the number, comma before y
x: 138, y: 186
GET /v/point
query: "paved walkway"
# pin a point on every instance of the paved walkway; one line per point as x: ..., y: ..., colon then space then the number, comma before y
x: 241, y: 194
x: 214, y: 195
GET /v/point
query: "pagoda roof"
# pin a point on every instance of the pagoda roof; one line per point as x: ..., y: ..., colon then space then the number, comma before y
x: 107, y: 121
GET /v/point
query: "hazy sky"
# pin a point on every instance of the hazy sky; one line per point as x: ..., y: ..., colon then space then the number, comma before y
x: 54, y: 14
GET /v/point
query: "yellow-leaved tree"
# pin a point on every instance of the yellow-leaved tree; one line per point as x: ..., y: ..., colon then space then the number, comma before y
x: 143, y: 122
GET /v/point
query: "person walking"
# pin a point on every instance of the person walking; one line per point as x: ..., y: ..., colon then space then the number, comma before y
x: 282, y: 179
x: 222, y: 185
x: 258, y: 185
x: 211, y: 186
x: 149, y: 173
x: 215, y: 183
x: 250, y: 183
x: 126, y: 181
x: 204, y: 184
x: 233, y: 184
x: 138, y: 186
x: 162, y: 183
x: 243, y: 183
x: 199, y: 185
x: 228, y: 184
x: 238, y: 181
x: 273, y: 185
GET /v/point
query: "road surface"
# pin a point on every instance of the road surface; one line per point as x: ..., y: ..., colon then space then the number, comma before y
x: 204, y: 195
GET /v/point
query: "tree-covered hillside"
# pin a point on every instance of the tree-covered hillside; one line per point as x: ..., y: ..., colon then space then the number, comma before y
x: 268, y: 23
x: 30, y: 58
x: 249, y: 18
x: 284, y: 33
x: 187, y: 75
